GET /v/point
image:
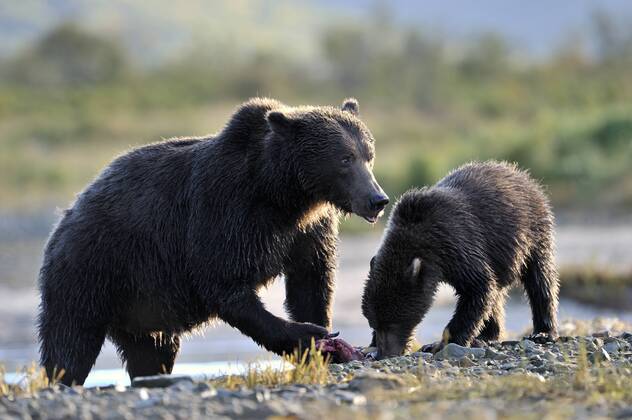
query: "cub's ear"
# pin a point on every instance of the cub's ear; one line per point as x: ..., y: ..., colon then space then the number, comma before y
x: 413, y: 270
x: 351, y: 105
x: 279, y: 122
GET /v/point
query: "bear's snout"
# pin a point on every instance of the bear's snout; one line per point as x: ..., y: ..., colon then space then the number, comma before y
x: 378, y: 202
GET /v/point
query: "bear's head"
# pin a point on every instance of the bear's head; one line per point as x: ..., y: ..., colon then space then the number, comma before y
x: 401, y: 283
x: 331, y: 153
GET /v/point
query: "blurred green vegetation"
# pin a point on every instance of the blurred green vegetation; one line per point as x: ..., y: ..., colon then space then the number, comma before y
x: 75, y: 99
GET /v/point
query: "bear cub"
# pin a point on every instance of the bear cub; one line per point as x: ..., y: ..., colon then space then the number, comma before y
x: 481, y: 229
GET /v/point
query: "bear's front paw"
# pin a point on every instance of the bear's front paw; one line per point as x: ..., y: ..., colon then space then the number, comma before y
x: 300, y: 335
x: 432, y: 347
x: 479, y: 343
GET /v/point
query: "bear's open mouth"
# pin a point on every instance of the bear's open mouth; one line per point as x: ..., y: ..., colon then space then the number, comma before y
x: 370, y: 219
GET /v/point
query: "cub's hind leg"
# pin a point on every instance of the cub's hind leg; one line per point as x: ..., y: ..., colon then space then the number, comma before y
x: 493, y: 328
x: 540, y: 280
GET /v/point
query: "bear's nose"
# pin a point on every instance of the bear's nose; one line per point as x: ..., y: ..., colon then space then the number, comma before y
x: 379, y: 202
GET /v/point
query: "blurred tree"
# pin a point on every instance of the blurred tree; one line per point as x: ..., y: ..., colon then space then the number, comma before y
x: 612, y: 39
x: 486, y: 59
x: 347, y: 50
x: 70, y: 56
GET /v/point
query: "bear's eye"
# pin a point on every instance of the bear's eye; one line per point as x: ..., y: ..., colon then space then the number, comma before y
x: 347, y: 160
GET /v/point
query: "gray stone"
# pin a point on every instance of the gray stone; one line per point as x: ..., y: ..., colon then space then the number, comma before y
x: 541, y: 369
x: 602, y: 334
x: 466, y: 362
x: 598, y: 356
x: 494, y: 355
x: 366, y: 381
x: 612, y: 345
x: 336, y: 368
x: 453, y: 351
x: 508, y: 366
x: 159, y: 381
x: 349, y: 398
x: 626, y: 336
x: 146, y: 403
x: 355, y: 364
x: 262, y: 395
x: 588, y: 344
x: 422, y: 355
x: 209, y: 393
x: 68, y: 389
x: 183, y: 386
x: 527, y: 344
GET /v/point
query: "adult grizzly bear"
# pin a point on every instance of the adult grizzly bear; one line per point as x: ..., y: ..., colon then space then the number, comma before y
x: 480, y: 229
x: 176, y: 233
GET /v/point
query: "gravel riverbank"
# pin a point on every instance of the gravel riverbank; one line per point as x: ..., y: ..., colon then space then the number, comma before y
x: 574, y: 377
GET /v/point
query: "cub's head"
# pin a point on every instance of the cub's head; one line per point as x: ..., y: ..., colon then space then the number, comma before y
x: 332, y: 152
x: 400, y: 285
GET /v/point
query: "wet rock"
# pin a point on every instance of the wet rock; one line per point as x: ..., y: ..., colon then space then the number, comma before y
x: 509, y: 343
x: 159, y: 381
x: 453, y: 351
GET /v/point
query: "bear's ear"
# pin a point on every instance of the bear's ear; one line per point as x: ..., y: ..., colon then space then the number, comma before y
x: 351, y: 105
x: 413, y: 270
x: 279, y: 122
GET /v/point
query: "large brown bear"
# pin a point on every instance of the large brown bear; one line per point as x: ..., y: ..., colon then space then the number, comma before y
x: 481, y: 229
x: 176, y: 233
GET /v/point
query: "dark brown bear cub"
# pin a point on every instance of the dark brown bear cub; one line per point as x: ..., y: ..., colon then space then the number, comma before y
x: 174, y: 234
x: 481, y: 229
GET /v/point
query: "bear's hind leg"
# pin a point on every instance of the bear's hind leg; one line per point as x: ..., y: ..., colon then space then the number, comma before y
x: 541, y: 284
x: 146, y: 354
x: 69, y: 351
